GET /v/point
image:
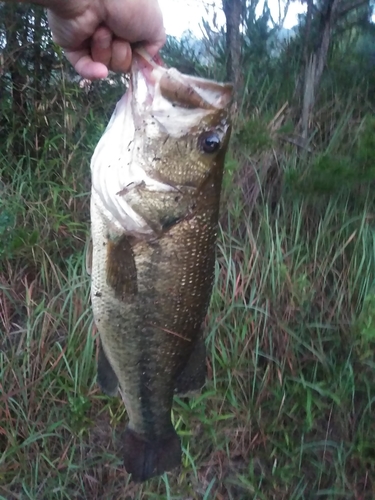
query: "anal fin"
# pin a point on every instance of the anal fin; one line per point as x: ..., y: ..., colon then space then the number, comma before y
x: 107, y: 379
x: 193, y: 376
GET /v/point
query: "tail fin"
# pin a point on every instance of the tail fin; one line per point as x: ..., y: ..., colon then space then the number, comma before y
x: 146, y: 459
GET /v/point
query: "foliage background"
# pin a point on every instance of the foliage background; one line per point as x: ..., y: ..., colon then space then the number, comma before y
x: 287, y: 412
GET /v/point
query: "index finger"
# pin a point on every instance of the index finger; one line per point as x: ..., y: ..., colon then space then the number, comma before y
x: 84, y: 64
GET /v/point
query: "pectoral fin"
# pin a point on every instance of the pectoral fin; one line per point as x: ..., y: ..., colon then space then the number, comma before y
x: 107, y: 379
x: 192, y: 378
x: 121, y: 269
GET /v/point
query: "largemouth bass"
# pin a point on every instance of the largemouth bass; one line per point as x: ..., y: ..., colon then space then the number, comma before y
x: 156, y: 181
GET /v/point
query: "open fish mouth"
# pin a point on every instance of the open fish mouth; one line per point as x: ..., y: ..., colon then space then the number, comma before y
x: 175, y: 103
x: 153, y: 84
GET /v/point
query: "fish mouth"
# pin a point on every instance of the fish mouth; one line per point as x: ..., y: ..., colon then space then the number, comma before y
x: 152, y: 83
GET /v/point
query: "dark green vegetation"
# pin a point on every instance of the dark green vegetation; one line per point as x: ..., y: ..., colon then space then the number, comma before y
x: 288, y: 410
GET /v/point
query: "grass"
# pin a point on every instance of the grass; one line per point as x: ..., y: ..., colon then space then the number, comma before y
x: 287, y: 412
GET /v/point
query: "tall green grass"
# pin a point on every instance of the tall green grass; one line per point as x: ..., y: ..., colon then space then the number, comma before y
x: 287, y: 411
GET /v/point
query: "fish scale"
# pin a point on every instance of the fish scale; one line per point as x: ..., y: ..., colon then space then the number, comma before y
x: 165, y: 311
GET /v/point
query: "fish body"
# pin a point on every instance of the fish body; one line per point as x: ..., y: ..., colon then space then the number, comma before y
x: 156, y: 181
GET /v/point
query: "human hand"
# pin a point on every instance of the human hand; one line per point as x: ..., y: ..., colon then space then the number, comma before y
x: 96, y: 34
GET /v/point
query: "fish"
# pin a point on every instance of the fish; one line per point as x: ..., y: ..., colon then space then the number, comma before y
x: 156, y: 183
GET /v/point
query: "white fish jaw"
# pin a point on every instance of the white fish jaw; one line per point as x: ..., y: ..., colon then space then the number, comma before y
x: 114, y: 169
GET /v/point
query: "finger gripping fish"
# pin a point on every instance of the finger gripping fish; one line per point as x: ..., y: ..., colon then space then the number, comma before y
x: 156, y: 181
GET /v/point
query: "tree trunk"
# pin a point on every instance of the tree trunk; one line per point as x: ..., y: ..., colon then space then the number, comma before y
x: 38, y: 70
x: 315, y: 55
x: 233, y: 13
x: 14, y: 42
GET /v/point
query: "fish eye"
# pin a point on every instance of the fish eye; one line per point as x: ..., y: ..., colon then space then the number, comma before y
x: 209, y: 142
